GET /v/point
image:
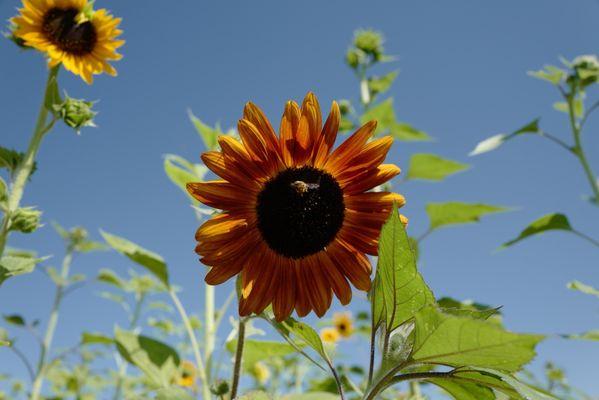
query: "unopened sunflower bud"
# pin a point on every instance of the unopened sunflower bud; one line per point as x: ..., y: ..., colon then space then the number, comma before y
x: 354, y: 58
x: 76, y: 113
x: 586, y: 69
x: 370, y: 42
x: 25, y: 220
x: 220, y: 388
x: 77, y: 236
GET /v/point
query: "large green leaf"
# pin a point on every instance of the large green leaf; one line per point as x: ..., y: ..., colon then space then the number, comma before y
x: 592, y: 335
x: 110, y: 277
x: 524, y: 390
x: 13, y: 265
x: 96, y: 338
x: 399, y: 290
x: 454, y: 213
x: 583, y: 288
x: 380, y: 84
x: 258, y: 350
x: 549, y: 222
x: 311, y: 396
x: 458, y: 341
x: 464, y: 390
x: 495, y: 141
x: 255, y: 395
x: 387, y: 123
x: 15, y: 319
x: 209, y: 135
x: 147, y: 259
x: 173, y: 394
x: 433, y: 167
x: 158, y: 361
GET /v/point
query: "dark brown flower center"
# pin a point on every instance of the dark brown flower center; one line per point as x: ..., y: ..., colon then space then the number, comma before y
x: 300, y: 211
x: 61, y: 28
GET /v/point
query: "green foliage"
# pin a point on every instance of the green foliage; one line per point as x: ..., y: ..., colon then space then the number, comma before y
x: 387, y: 123
x: 13, y: 265
x: 454, y: 213
x: 299, y: 334
x: 75, y: 113
x: 180, y: 172
x: 494, y: 142
x: 25, y: 220
x: 459, y: 341
x: 257, y: 350
x: 399, y: 291
x: 11, y: 159
x: 433, y: 167
x: 96, y: 338
x: 145, y: 258
x: 549, y: 222
x: 208, y: 134
x: 158, y: 361
x: 583, y: 288
x: 15, y: 319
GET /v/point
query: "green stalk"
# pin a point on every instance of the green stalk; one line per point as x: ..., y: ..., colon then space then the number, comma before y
x: 194, y: 344
x: 51, y: 328
x: 579, y: 150
x: 238, y: 358
x: 24, y: 169
x: 139, y: 300
x: 210, y: 331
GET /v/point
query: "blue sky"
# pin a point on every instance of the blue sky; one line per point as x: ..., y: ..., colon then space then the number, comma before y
x: 463, y: 78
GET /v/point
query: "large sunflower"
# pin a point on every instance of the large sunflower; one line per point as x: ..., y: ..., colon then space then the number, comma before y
x: 69, y: 32
x: 298, y: 219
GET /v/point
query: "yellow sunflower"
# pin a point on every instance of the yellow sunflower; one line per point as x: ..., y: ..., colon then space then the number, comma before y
x: 298, y: 219
x: 329, y: 335
x: 69, y: 32
x: 343, y: 323
x: 187, y: 375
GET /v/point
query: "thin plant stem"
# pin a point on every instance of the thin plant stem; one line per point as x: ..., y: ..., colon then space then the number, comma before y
x: 139, y: 300
x: 25, y: 361
x: 557, y: 141
x: 23, y: 170
x: 51, y: 328
x: 586, y: 237
x: 238, y: 358
x: 194, y: 343
x: 209, y: 332
x: 372, y: 352
x: 578, y: 148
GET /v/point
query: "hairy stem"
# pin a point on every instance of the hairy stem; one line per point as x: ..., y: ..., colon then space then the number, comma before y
x: 23, y: 170
x: 238, y: 358
x: 209, y: 333
x: 51, y: 328
x: 194, y: 344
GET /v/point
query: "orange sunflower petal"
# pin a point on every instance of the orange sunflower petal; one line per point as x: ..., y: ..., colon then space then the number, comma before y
x: 328, y: 136
x: 220, y: 194
x: 350, y: 148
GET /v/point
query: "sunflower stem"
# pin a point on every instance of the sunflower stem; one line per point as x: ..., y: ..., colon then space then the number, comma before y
x: 23, y: 170
x: 238, y: 357
x: 579, y: 150
x: 194, y: 343
x: 209, y: 333
x: 51, y: 328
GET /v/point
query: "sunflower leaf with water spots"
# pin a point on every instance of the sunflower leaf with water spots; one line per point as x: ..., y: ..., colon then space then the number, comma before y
x: 549, y: 222
x: 455, y: 213
x: 462, y: 341
x: 151, y: 261
x: 432, y: 167
x: 399, y: 290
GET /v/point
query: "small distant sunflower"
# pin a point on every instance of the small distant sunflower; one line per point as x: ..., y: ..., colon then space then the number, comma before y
x: 298, y: 218
x: 71, y: 33
x: 329, y: 335
x: 343, y: 323
x: 261, y: 372
x: 187, y: 375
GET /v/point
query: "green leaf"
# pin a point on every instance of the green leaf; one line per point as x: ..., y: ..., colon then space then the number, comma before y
x: 464, y: 390
x: 110, y: 277
x: 173, y: 394
x: 258, y: 350
x: 209, y: 135
x: 469, y: 309
x: 13, y: 265
x: 380, y: 84
x: 387, y: 123
x: 255, y: 395
x: 524, y: 390
x: 550, y: 74
x: 147, y: 259
x: 15, y: 319
x: 53, y: 98
x: 497, y: 140
x: 180, y: 172
x: 433, y: 167
x: 158, y: 361
x: 311, y: 396
x: 584, y: 288
x: 458, y: 341
x: 399, y: 290
x: 96, y: 338
x: 549, y: 222
x: 455, y: 213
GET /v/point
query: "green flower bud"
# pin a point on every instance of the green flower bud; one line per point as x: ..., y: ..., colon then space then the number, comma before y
x: 220, y: 388
x: 354, y: 57
x: 586, y: 69
x: 25, y: 220
x: 344, y: 107
x: 76, y: 113
x: 370, y: 42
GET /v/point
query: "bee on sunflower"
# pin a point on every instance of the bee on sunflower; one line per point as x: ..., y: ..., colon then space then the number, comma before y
x: 70, y: 33
x: 298, y: 217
